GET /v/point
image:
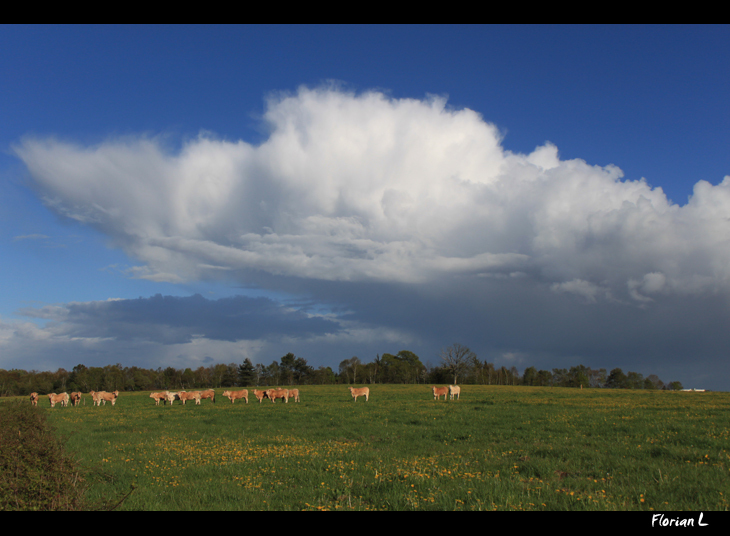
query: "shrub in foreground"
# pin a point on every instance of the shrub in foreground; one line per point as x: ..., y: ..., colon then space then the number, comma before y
x: 35, y: 472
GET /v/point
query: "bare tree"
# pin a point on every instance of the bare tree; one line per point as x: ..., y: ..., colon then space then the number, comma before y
x: 458, y: 359
x: 350, y: 366
x: 354, y: 365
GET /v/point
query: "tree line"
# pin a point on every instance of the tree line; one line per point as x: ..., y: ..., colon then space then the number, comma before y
x: 457, y: 364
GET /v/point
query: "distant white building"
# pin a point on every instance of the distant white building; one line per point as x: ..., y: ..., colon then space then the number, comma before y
x: 695, y: 390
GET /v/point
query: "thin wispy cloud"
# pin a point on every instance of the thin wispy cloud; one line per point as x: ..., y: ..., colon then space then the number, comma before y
x: 30, y: 237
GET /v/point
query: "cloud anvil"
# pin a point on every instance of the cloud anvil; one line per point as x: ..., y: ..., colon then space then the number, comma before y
x: 354, y: 199
x: 369, y: 188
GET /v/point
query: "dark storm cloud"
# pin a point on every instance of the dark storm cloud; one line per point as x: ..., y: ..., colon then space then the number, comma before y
x: 411, y: 222
x: 176, y: 320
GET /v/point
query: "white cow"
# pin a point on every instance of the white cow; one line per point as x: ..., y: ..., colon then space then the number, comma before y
x: 171, y: 397
x: 62, y: 398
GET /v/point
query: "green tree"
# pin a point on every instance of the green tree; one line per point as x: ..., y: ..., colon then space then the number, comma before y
x: 188, y: 378
x: 217, y: 374
x: 530, y: 376
x: 246, y: 373
x: 392, y: 369
x: 655, y: 381
x: 560, y: 377
x: 170, y: 378
x: 230, y: 376
x: 143, y: 379
x: 616, y: 379
x: 273, y: 373
x: 113, y: 378
x: 287, y: 368
x: 505, y: 376
x: 515, y: 374
x: 9, y: 383
x: 42, y: 383
x: 204, y: 376
x: 635, y: 380
x: 579, y: 376
x: 324, y: 376
x: 544, y: 378
x: 79, y: 378
x: 60, y: 379
x: 302, y: 371
x: 440, y: 375
x: 404, y: 367
x: 370, y: 370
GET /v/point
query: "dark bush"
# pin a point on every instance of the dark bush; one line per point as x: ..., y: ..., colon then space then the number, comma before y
x: 35, y: 471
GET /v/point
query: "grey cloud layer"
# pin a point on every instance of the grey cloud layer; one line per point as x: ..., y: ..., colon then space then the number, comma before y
x: 176, y: 320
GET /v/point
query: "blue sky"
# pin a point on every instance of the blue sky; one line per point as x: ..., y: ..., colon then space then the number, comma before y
x: 547, y: 195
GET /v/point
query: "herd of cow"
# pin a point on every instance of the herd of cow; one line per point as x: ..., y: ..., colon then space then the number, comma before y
x: 451, y: 390
x: 100, y: 397
x: 184, y: 396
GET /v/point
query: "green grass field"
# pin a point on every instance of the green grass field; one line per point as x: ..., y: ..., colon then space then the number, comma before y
x: 500, y: 448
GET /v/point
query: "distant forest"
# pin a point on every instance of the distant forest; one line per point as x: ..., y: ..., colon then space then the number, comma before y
x: 458, y: 365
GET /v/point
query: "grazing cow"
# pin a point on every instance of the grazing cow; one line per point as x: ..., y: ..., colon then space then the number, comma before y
x: 438, y: 391
x: 75, y: 398
x: 294, y: 393
x: 259, y: 394
x: 96, y: 397
x: 158, y: 397
x: 235, y: 395
x: 273, y: 394
x: 34, y: 399
x: 108, y: 397
x: 365, y: 391
x: 198, y: 395
x: 193, y: 395
x: 171, y: 397
x: 454, y: 390
x: 210, y: 393
x: 62, y: 398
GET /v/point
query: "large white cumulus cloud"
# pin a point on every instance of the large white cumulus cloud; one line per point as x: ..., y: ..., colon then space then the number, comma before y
x: 368, y: 188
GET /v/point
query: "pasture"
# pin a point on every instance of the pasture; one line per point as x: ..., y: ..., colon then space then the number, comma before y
x: 497, y: 448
